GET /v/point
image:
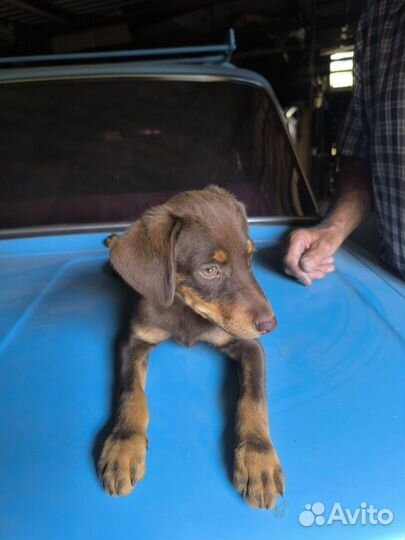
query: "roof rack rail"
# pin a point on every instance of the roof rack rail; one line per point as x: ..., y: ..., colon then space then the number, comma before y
x: 217, y: 53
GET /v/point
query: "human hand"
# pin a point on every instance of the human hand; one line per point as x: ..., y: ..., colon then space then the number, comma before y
x: 309, y: 253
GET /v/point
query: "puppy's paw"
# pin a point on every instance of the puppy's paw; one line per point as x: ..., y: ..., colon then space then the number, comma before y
x: 122, y: 461
x: 258, y: 475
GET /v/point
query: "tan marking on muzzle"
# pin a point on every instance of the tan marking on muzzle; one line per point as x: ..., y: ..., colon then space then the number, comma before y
x: 210, y: 310
x: 216, y: 312
x: 180, y: 278
x: 217, y: 337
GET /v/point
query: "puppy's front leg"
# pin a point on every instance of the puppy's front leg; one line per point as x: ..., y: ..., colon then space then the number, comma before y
x: 122, y: 461
x: 257, y: 470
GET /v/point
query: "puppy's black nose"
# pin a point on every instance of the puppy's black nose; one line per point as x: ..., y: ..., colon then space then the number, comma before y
x: 266, y: 326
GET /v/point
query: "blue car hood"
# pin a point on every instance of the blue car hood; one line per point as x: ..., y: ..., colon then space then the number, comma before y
x: 336, y: 386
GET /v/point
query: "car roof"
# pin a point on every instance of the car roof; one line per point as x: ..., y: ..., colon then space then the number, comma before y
x: 335, y: 386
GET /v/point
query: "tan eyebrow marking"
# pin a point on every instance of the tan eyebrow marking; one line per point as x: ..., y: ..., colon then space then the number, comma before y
x: 220, y: 256
x: 250, y: 247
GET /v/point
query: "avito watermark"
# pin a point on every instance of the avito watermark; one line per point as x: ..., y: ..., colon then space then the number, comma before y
x: 365, y: 514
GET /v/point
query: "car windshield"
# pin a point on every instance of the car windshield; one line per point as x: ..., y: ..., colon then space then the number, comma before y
x: 103, y: 150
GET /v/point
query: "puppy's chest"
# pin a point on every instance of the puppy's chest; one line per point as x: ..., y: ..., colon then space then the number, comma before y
x: 179, y: 323
x: 186, y: 340
x: 188, y: 330
x: 188, y: 333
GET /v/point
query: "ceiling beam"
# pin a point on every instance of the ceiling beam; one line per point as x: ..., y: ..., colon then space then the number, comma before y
x: 162, y: 11
x: 135, y: 15
x: 42, y: 8
x: 7, y: 32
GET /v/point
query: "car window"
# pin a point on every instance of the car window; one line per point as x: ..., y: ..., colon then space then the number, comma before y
x: 104, y: 150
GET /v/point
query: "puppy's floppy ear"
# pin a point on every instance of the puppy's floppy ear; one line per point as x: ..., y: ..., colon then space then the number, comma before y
x: 144, y: 255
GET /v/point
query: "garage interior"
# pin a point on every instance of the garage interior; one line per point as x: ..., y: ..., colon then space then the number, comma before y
x: 289, y: 42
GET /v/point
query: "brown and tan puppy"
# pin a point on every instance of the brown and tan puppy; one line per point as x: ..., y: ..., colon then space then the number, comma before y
x: 190, y: 259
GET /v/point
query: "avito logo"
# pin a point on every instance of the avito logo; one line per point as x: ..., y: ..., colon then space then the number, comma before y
x: 366, y: 514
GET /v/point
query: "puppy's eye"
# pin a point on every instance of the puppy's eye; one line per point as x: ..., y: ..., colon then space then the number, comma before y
x: 210, y: 271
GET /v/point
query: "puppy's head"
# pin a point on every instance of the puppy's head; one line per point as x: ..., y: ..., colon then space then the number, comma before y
x: 196, y: 247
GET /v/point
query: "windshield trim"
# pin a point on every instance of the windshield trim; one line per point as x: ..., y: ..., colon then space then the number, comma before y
x: 52, y: 230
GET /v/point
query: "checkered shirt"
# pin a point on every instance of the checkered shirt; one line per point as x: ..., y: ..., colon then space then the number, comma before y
x: 375, y: 123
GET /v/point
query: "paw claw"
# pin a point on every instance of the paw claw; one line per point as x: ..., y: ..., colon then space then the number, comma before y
x: 119, y: 487
x: 133, y: 476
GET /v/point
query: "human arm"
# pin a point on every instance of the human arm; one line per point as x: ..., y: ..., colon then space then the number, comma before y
x: 309, y: 253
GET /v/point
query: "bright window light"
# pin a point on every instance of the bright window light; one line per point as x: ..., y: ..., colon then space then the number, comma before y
x: 341, y: 65
x: 341, y: 55
x: 341, y: 79
x: 341, y: 70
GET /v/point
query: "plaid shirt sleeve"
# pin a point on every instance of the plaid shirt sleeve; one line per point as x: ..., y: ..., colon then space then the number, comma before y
x: 354, y: 136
